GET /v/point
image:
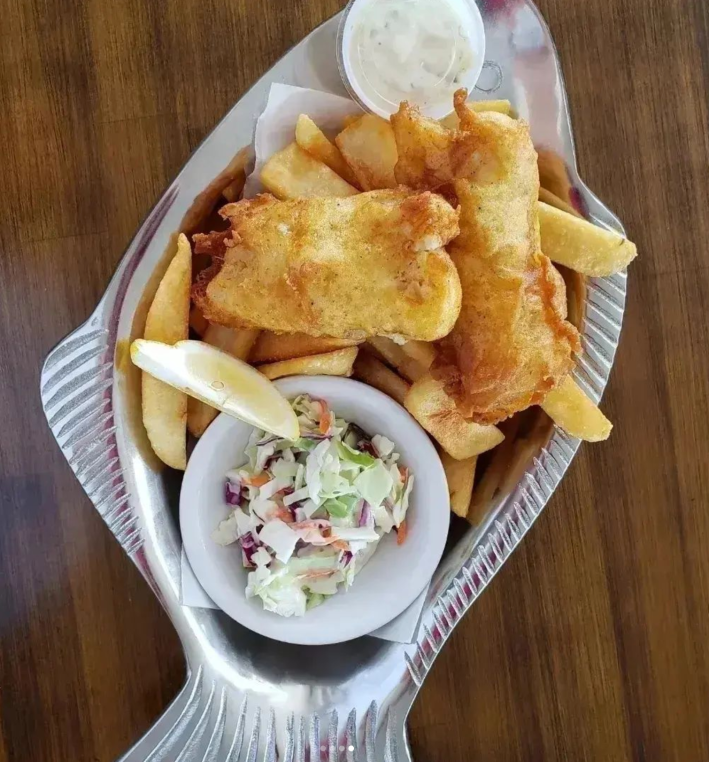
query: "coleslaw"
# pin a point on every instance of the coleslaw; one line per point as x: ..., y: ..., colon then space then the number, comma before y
x: 308, y: 514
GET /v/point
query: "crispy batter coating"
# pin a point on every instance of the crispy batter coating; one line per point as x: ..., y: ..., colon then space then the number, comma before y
x: 512, y: 343
x: 366, y: 265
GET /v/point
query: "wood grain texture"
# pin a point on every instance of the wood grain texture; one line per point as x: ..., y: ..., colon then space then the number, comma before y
x: 592, y: 642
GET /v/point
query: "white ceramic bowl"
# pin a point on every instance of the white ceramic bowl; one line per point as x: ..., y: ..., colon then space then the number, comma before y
x: 395, y: 575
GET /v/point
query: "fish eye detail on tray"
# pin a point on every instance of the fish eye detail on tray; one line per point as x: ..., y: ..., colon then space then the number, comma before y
x: 412, y: 253
x: 309, y: 513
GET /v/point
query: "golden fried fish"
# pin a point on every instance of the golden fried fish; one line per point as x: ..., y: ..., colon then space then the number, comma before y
x: 512, y: 343
x: 371, y: 264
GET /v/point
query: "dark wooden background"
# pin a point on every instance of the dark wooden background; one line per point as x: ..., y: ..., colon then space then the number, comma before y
x: 593, y: 643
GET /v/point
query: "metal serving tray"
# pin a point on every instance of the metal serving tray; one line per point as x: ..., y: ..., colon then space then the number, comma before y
x: 247, y: 697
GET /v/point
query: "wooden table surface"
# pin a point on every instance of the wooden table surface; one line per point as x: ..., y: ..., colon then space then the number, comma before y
x: 593, y: 642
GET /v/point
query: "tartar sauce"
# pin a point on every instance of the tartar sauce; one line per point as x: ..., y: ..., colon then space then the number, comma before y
x: 415, y: 50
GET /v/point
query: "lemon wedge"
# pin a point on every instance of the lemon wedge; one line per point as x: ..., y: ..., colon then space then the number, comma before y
x: 219, y: 380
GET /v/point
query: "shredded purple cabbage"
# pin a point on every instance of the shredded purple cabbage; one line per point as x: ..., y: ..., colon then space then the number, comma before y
x: 366, y: 514
x: 293, y: 507
x: 232, y: 492
x: 249, y: 545
x: 365, y: 445
x: 270, y: 459
x: 346, y: 558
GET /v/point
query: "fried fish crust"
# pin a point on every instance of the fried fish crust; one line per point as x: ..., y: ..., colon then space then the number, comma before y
x: 371, y: 264
x: 512, y: 343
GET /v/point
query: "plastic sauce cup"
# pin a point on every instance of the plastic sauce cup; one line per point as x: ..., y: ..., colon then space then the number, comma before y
x: 467, y: 35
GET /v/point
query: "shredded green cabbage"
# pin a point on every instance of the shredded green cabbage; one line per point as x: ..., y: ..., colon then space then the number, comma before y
x: 311, y: 512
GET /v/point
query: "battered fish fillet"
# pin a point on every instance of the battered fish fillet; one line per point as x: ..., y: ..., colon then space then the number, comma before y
x: 371, y: 264
x: 512, y: 343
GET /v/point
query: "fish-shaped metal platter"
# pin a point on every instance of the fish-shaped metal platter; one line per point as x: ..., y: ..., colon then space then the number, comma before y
x: 247, y: 697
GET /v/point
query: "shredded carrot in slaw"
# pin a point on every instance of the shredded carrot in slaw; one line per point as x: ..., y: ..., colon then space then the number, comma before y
x: 325, y: 418
x: 257, y: 481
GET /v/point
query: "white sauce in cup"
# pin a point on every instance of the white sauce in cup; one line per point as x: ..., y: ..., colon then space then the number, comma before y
x: 421, y: 51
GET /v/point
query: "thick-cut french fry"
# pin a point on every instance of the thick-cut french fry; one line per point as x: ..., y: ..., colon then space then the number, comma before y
x: 553, y: 173
x: 238, y: 343
x: 502, y: 107
x: 423, y: 352
x: 431, y: 406
x: 293, y: 173
x: 412, y: 363
x: 273, y: 347
x: 199, y: 416
x: 583, y: 247
x: 165, y: 408
x: 528, y: 439
x: 488, y: 487
x: 369, y: 148
x: 337, y: 363
x: 572, y: 411
x: 314, y: 141
x: 372, y: 371
x: 350, y: 120
x: 549, y: 198
x: 204, y: 203
x: 198, y: 322
x: 460, y: 475
x: 232, y: 191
